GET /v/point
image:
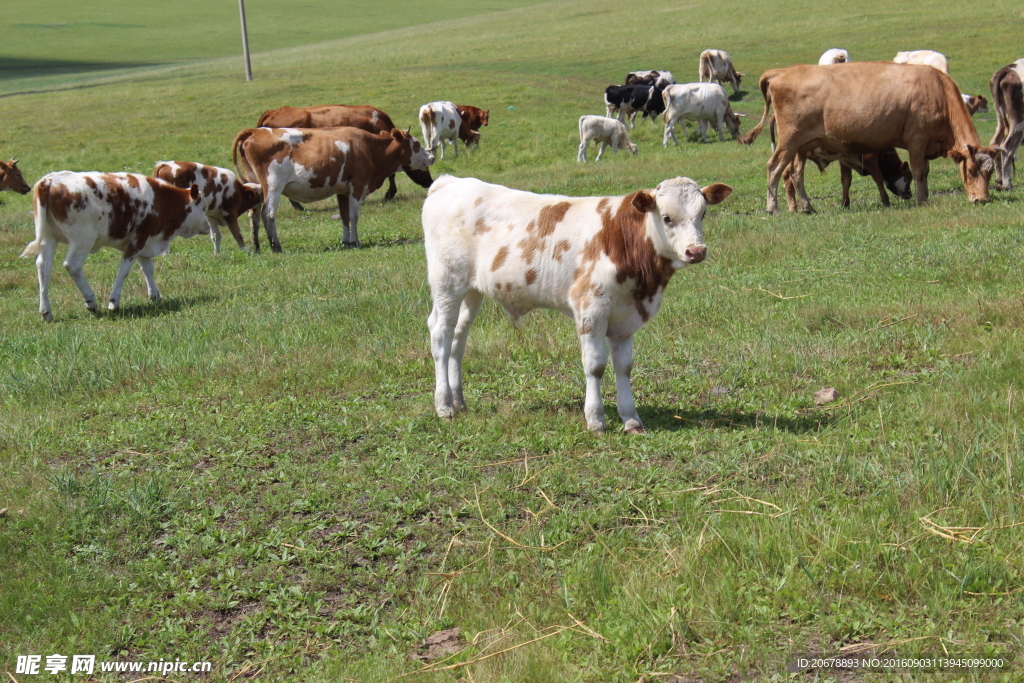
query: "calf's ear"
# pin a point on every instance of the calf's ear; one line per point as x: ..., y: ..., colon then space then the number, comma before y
x: 643, y: 201
x: 196, y: 195
x: 716, y: 193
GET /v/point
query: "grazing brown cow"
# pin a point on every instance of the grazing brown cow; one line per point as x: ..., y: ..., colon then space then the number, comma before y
x: 472, y: 116
x: 227, y: 198
x: 360, y: 116
x: 975, y: 103
x: 311, y: 164
x: 135, y: 214
x: 11, y: 178
x: 1008, y: 98
x: 866, y: 107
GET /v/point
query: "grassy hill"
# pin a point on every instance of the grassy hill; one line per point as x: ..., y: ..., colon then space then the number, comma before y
x: 251, y: 472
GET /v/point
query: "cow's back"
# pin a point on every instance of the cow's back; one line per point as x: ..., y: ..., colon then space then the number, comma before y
x: 364, y: 117
x: 842, y: 101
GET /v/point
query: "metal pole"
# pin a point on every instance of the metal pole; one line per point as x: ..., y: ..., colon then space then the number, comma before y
x: 245, y: 41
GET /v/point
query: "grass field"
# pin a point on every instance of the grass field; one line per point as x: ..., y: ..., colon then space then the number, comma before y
x: 251, y: 472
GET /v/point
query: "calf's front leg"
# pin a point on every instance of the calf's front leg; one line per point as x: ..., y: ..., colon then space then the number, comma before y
x: 595, y: 359
x: 146, y: 264
x: 122, y: 272
x: 622, y: 362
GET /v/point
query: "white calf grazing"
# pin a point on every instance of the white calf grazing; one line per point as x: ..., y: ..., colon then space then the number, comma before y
x: 716, y: 65
x: 700, y: 102
x: 227, y: 198
x: 135, y: 214
x: 926, y: 57
x: 602, y: 261
x: 441, y: 124
x: 834, y: 56
x: 604, y: 131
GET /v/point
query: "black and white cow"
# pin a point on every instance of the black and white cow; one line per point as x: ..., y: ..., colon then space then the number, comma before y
x: 624, y: 101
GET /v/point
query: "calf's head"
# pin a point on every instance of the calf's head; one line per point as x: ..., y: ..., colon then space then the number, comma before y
x: 976, y: 167
x: 11, y: 178
x: 676, y: 209
x: 252, y: 196
x: 732, y: 122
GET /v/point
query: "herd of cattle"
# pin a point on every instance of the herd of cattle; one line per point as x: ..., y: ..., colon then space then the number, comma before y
x: 603, y: 261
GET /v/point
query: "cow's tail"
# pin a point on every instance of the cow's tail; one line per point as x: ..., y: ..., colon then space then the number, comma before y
x: 242, y: 166
x: 749, y: 138
x: 428, y: 128
x: 705, y: 68
x: 41, y: 202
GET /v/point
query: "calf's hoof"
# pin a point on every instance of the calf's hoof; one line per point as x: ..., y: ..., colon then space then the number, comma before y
x: 111, y: 306
x: 47, y: 316
x: 445, y: 412
x: 634, y: 426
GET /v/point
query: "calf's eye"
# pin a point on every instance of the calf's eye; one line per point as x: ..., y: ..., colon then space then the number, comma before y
x: 667, y: 220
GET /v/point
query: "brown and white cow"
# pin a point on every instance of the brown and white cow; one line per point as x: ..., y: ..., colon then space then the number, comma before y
x: 130, y: 212
x: 474, y: 117
x: 441, y: 124
x: 658, y: 78
x: 11, y: 179
x: 363, y: 117
x: 226, y: 197
x: 1008, y: 99
x: 311, y: 164
x: 868, y: 107
x: 716, y: 65
x: 602, y: 261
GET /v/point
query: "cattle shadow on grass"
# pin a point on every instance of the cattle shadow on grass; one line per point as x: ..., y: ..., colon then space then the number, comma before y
x: 674, y: 419
x: 737, y: 96
x: 147, y: 309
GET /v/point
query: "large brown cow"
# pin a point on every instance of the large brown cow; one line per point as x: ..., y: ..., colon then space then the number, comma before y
x: 312, y: 164
x: 1008, y: 97
x: 474, y: 117
x: 867, y: 107
x: 361, y: 116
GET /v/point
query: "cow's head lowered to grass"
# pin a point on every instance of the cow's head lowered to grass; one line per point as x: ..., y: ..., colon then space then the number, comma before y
x: 11, y: 178
x: 976, y: 166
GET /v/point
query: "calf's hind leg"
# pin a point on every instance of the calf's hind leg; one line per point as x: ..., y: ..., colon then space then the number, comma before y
x: 444, y: 317
x: 467, y: 314
x: 73, y: 264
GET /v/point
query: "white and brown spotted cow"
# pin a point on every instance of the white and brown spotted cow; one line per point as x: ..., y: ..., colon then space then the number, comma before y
x: 931, y: 58
x: 441, y: 123
x: 603, y: 261
x: 311, y: 164
x: 227, y: 198
x: 11, y: 178
x: 716, y: 65
x: 130, y: 212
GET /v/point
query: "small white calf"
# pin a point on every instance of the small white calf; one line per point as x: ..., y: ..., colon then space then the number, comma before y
x: 602, y: 261
x: 135, y: 214
x: 834, y: 56
x: 926, y: 57
x: 604, y: 131
x: 700, y: 102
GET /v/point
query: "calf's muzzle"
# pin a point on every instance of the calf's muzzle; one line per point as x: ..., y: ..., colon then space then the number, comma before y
x: 695, y: 253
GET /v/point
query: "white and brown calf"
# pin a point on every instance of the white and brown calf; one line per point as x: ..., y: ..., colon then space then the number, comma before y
x: 604, y: 131
x: 311, y: 164
x: 602, y: 261
x: 441, y: 123
x: 975, y: 103
x: 227, y: 198
x: 11, y: 178
x: 133, y: 213
x: 716, y: 65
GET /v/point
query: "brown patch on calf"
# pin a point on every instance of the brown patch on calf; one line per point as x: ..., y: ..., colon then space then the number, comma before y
x: 499, y: 258
x: 478, y: 201
x: 560, y: 248
x: 481, y: 227
x: 623, y: 238
x: 539, y: 230
x: 531, y: 276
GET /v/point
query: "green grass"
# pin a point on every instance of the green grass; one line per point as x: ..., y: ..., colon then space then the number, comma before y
x: 251, y: 472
